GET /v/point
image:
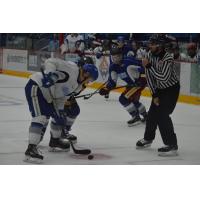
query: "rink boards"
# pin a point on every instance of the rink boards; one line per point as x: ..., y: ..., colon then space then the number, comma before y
x: 23, y: 63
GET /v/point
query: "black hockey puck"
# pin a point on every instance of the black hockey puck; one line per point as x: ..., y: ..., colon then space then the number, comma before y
x: 90, y: 157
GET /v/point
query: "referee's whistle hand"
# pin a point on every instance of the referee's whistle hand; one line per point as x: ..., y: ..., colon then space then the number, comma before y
x: 145, y: 62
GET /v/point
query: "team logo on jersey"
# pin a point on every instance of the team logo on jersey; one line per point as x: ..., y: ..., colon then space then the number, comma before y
x: 103, y: 67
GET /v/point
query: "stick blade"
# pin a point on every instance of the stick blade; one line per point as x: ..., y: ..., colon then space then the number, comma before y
x: 82, y: 151
x: 79, y: 151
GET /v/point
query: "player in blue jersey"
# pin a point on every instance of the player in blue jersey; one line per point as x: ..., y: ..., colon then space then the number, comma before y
x: 124, y: 46
x: 130, y: 71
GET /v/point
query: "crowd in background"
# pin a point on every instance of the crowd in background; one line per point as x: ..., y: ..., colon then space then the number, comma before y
x: 183, y: 46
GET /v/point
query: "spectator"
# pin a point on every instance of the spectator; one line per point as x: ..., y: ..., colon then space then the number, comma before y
x: 191, y: 55
x: 53, y: 43
x: 74, y: 43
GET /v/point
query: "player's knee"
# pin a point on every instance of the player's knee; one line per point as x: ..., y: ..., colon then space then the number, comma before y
x: 123, y: 100
x: 74, y: 111
x: 40, y: 120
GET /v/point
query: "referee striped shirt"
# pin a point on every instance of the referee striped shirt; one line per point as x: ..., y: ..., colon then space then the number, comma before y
x: 161, y: 72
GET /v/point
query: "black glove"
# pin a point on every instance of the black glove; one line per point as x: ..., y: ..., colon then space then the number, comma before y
x: 104, y: 91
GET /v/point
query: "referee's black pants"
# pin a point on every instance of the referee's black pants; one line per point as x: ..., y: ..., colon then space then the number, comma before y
x: 159, y: 116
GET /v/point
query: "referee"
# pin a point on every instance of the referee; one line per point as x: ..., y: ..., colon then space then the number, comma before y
x: 164, y: 86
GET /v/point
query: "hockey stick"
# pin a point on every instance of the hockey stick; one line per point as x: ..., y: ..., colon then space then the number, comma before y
x: 76, y: 151
x: 89, y: 95
x: 79, y: 151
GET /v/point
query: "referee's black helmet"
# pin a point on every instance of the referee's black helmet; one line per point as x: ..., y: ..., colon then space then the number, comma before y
x: 159, y: 39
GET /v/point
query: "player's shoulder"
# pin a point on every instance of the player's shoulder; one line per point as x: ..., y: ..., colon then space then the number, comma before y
x: 54, y: 60
x: 50, y: 60
x: 168, y: 57
x: 132, y: 61
x: 72, y: 64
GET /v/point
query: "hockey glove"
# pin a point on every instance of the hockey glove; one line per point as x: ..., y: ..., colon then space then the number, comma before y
x: 104, y: 91
x: 60, y: 117
x: 49, y: 80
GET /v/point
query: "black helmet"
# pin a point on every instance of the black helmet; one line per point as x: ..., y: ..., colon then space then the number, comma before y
x: 115, y: 51
x: 85, y: 60
x: 159, y: 39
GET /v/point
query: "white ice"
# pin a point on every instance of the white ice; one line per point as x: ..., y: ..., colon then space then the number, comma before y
x: 101, y: 127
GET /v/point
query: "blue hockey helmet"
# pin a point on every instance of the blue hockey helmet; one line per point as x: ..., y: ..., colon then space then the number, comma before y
x: 92, y: 70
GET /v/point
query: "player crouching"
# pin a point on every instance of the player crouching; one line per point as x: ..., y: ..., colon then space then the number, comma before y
x: 47, y: 95
x: 129, y: 70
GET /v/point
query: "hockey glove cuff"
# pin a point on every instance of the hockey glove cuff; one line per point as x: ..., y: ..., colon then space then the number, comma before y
x: 104, y: 91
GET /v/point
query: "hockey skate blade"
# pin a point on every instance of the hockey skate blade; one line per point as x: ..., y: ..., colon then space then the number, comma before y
x: 57, y: 149
x: 144, y: 147
x: 67, y: 140
x: 135, y: 124
x: 168, y: 154
x: 31, y: 160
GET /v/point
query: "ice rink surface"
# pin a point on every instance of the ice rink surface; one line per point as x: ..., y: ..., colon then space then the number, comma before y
x: 101, y: 126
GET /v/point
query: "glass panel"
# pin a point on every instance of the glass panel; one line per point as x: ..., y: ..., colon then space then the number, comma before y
x: 195, y: 79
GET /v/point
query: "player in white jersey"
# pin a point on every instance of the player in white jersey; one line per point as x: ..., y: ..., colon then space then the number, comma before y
x: 47, y: 95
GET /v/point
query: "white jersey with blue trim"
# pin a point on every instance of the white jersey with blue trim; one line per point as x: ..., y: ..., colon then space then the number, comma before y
x: 66, y: 84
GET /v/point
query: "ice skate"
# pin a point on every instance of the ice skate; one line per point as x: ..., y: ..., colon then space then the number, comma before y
x: 106, y: 97
x: 144, y: 117
x: 66, y: 136
x: 142, y: 144
x: 58, y: 145
x: 32, y: 155
x: 134, y: 121
x: 169, y: 150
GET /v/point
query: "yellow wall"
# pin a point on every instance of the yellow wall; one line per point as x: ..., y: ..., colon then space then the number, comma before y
x: 182, y: 98
x: 16, y: 73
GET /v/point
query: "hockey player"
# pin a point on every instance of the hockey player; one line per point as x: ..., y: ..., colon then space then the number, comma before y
x: 71, y: 108
x: 125, y: 47
x: 130, y: 71
x: 47, y: 96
